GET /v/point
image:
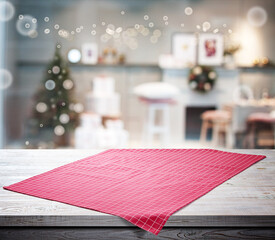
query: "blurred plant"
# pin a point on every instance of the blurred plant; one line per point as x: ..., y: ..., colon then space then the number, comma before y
x: 231, y: 49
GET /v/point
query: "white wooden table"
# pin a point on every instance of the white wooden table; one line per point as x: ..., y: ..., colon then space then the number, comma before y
x: 242, y: 206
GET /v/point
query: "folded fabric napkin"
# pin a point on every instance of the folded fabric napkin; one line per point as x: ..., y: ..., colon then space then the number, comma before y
x: 143, y: 186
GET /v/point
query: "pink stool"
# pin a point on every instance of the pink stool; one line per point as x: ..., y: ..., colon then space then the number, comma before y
x: 219, y: 121
x: 253, y: 121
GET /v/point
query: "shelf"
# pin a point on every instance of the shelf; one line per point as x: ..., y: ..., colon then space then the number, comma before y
x: 126, y: 65
x: 140, y: 65
x: 242, y: 68
x: 247, y: 69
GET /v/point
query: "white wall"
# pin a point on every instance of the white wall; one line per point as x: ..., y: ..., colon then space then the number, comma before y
x: 71, y: 14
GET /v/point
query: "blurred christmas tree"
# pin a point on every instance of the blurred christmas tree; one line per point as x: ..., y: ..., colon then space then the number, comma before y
x: 55, y: 108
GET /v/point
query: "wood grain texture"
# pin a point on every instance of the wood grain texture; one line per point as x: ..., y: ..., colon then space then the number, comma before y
x: 246, y: 200
x: 136, y: 233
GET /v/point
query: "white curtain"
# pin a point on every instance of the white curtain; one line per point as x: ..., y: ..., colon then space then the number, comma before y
x: 2, y: 65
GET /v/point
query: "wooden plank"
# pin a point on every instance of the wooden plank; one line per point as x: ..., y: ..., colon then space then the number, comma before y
x: 134, y: 233
x: 43, y: 208
x: 226, y: 191
x: 106, y: 220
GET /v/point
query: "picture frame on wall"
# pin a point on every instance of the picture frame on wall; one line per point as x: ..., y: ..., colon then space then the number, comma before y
x: 184, y: 48
x: 89, y: 53
x: 210, y: 49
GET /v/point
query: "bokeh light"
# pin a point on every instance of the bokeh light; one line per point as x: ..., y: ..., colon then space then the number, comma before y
x: 68, y: 84
x: 74, y: 55
x: 146, y: 17
x: 257, y: 16
x: 6, y: 11
x: 78, y: 107
x: 47, y: 31
x: 50, y: 84
x: 197, y: 70
x: 5, y: 79
x: 157, y: 33
x: 216, y: 30
x: 206, y: 26
x: 41, y: 107
x: 188, y: 11
x: 153, y: 39
x: 56, y: 69
x: 64, y: 118
x: 25, y: 25
x: 59, y: 130
x: 212, y: 75
x: 33, y: 34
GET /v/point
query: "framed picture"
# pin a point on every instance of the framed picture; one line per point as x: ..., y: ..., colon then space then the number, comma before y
x: 89, y: 53
x: 210, y: 49
x: 184, y: 48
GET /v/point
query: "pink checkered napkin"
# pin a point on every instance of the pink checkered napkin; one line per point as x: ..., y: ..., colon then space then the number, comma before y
x: 143, y: 186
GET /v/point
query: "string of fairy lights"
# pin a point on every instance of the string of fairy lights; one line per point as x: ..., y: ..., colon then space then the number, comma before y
x: 32, y: 27
x: 28, y: 26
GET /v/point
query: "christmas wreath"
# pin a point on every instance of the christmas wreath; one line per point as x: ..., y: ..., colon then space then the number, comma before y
x: 202, y: 79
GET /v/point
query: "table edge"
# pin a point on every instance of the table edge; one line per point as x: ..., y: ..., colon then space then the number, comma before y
x: 114, y: 221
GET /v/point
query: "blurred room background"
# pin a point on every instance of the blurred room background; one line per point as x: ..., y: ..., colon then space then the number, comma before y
x: 137, y: 73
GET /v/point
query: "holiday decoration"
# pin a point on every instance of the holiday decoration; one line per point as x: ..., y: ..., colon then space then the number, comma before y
x: 103, y: 99
x: 202, y: 78
x: 86, y: 132
x: 55, y: 108
x: 263, y: 62
x: 109, y: 55
x: 100, y: 126
x: 91, y: 133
